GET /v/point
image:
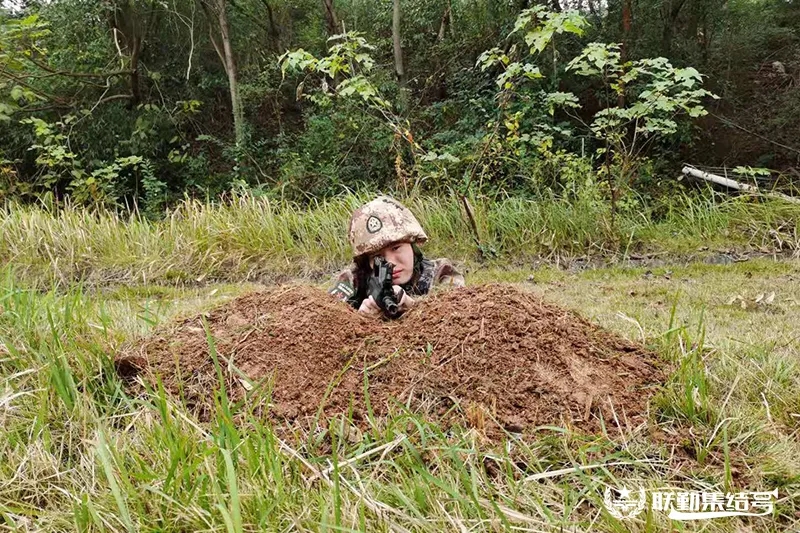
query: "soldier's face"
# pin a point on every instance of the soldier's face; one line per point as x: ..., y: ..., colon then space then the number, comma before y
x: 401, y: 255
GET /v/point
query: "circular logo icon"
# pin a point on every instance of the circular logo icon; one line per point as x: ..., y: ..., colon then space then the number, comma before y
x: 629, y: 504
x: 374, y: 224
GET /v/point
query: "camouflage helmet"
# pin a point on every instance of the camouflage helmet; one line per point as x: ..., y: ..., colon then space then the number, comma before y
x: 381, y: 222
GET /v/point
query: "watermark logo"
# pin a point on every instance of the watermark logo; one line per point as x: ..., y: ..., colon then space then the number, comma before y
x: 627, y: 505
x: 689, y: 505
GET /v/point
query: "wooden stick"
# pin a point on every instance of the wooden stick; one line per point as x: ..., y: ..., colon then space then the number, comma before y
x: 471, y: 218
x: 733, y: 184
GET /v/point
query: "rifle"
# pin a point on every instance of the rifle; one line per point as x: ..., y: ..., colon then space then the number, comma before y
x: 380, y: 288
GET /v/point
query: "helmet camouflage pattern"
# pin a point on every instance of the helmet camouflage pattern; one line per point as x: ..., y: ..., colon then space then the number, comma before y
x: 381, y: 222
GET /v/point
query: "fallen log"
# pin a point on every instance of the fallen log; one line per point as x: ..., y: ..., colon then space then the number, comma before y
x: 733, y: 184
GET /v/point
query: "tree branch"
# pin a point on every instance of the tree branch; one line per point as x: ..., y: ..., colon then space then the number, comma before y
x: 69, y: 74
x: 25, y: 84
x: 244, y: 12
x: 217, y: 49
x: 42, y: 109
x: 114, y: 97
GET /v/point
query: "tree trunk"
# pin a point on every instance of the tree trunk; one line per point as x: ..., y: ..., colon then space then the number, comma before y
x: 669, y: 13
x: 439, y: 71
x: 331, y: 19
x: 626, y: 25
x: 705, y: 36
x: 627, y: 17
x: 443, y: 24
x: 398, y: 50
x: 130, y: 29
x: 230, y: 68
x: 399, y: 69
x: 450, y: 19
x: 666, y: 40
x: 274, y: 29
x: 225, y: 54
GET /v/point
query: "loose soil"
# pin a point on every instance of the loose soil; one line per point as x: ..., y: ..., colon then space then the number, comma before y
x: 502, y: 357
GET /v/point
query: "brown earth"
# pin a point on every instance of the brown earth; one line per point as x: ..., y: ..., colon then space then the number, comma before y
x: 503, y: 357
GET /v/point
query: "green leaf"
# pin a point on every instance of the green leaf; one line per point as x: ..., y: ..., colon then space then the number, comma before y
x: 539, y: 39
x: 17, y: 93
x: 751, y: 171
x: 5, y: 112
x: 688, y: 76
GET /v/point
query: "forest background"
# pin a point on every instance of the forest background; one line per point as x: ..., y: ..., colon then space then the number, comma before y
x: 139, y: 103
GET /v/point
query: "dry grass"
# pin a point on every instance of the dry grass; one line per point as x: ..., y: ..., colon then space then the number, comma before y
x: 253, y: 239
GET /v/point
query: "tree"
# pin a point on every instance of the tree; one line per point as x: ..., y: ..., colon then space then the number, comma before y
x: 331, y: 18
x: 216, y: 12
x: 398, y: 49
x: 130, y: 22
x: 34, y: 83
x: 670, y: 10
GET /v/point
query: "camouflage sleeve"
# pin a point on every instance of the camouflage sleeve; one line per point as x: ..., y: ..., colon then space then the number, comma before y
x: 343, y: 288
x: 446, y: 274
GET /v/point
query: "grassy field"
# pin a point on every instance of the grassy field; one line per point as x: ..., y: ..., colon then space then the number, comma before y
x: 78, y: 453
x: 253, y: 239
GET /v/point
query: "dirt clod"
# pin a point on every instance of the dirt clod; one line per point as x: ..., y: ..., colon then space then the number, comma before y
x: 502, y: 356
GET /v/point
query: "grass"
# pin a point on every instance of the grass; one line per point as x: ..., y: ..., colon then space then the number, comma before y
x: 78, y: 453
x: 257, y: 240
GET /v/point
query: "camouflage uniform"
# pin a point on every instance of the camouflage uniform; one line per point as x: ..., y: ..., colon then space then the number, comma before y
x: 378, y: 224
x: 436, y: 272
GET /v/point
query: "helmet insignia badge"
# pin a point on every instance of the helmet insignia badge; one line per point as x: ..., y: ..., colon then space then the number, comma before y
x: 374, y: 224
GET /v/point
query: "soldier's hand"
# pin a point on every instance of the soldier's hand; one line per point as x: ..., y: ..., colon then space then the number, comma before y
x: 404, y: 301
x: 369, y: 307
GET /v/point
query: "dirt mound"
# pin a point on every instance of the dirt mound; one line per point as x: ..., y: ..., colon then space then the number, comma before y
x: 503, y: 356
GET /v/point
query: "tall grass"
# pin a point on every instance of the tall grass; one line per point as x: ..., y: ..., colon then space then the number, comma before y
x: 253, y: 238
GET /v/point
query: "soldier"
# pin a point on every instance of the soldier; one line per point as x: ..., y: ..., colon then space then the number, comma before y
x: 385, y: 227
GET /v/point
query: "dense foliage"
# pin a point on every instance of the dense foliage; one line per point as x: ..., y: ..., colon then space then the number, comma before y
x: 140, y: 102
